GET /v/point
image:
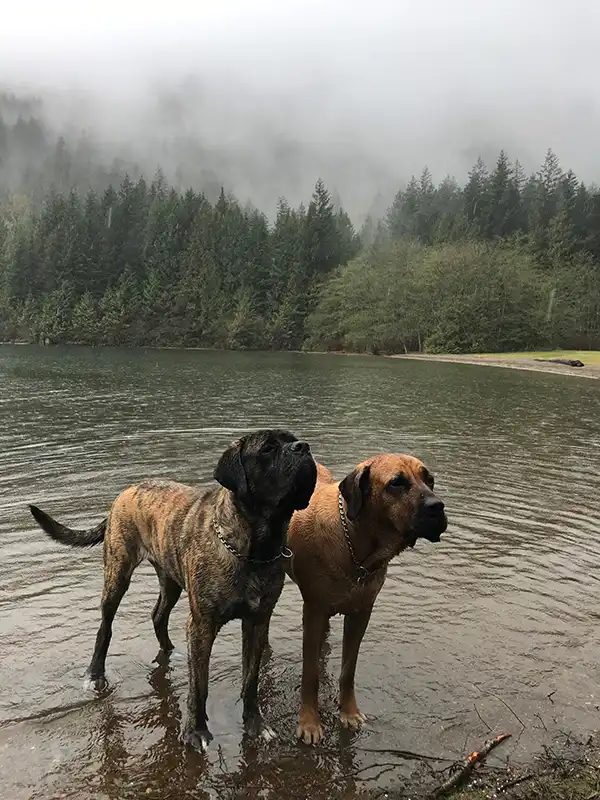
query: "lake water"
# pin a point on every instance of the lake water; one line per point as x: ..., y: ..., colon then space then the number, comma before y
x: 497, y: 627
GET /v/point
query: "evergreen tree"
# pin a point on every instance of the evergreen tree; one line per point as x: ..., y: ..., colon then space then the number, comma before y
x: 498, y: 201
x: 545, y: 203
x: 321, y: 244
x: 84, y: 320
x: 402, y: 216
x: 475, y: 198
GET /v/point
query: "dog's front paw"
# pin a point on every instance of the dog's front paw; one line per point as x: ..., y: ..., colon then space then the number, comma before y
x: 257, y: 728
x: 309, y: 730
x: 97, y: 683
x: 352, y: 719
x: 267, y: 733
x: 197, y: 740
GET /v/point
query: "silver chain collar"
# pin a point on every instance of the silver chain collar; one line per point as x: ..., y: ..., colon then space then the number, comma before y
x: 363, y: 572
x: 285, y: 551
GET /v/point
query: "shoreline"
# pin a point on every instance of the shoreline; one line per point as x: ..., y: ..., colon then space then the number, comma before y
x: 505, y: 362
x: 525, y: 364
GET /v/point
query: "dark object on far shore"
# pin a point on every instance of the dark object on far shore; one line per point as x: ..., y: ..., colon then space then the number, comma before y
x: 569, y: 362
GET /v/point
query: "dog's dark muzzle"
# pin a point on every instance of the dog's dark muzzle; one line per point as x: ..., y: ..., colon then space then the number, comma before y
x: 299, y: 448
x: 300, y: 458
x: 303, y: 465
x: 430, y: 521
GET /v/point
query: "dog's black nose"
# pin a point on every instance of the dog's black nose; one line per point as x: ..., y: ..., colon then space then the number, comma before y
x: 433, y: 506
x: 300, y: 447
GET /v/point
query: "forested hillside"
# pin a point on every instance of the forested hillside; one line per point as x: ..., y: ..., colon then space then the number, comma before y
x: 504, y: 262
x: 99, y: 255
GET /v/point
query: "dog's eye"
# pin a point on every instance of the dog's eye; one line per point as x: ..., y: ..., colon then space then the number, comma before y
x: 428, y: 480
x: 399, y: 482
x: 269, y: 447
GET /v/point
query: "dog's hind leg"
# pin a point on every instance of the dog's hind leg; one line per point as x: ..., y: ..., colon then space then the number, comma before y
x: 355, y: 626
x: 118, y: 569
x: 255, y: 637
x: 201, y: 633
x: 170, y: 592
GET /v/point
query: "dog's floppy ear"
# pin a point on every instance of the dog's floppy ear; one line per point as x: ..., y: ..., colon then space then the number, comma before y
x: 354, y: 489
x: 229, y: 471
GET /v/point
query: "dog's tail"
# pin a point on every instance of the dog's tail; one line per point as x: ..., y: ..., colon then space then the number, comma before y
x: 69, y: 536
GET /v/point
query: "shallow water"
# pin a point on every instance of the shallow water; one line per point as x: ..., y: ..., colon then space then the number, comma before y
x: 497, y: 627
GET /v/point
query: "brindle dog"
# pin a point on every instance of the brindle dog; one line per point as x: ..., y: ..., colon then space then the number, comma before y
x: 342, y: 545
x: 225, y: 547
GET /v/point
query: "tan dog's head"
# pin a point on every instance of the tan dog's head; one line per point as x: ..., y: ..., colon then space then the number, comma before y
x: 395, y: 491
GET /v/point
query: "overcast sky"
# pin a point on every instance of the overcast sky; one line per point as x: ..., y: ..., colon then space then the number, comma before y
x: 371, y: 90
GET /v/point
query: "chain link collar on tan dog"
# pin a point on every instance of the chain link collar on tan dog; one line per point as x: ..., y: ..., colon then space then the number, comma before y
x: 363, y: 572
x: 285, y: 551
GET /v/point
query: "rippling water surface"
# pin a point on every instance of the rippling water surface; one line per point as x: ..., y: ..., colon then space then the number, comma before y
x: 495, y: 628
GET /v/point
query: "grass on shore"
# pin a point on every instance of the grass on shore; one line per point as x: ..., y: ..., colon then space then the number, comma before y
x: 589, y: 357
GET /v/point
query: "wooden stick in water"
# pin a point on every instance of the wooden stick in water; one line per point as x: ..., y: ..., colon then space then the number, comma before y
x: 476, y: 757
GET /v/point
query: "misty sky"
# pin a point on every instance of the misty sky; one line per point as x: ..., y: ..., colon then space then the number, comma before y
x: 368, y: 95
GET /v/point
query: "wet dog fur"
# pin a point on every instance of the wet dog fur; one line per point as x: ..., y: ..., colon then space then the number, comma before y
x: 388, y: 503
x: 224, y: 547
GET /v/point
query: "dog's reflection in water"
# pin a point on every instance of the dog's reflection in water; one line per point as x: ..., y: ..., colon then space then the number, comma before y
x: 166, y: 769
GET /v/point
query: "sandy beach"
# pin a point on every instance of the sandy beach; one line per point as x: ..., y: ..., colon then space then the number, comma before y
x: 591, y: 371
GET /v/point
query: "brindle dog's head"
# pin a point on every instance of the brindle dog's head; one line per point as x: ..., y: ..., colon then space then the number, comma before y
x: 269, y: 471
x: 395, y: 493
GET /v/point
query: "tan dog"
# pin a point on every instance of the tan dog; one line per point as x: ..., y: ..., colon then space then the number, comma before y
x: 342, y: 544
